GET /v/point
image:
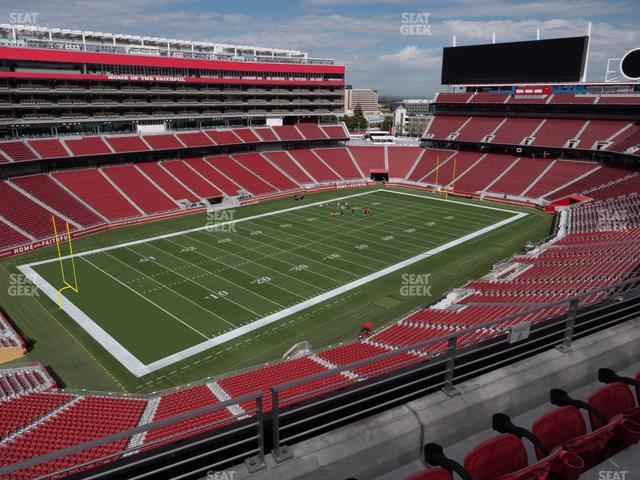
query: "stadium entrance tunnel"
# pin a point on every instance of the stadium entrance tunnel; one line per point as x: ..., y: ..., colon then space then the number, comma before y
x: 379, y: 175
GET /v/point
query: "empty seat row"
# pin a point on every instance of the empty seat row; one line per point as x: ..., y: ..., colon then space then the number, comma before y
x: 564, y: 446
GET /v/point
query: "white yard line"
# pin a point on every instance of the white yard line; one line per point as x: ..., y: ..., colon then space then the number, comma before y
x: 235, y: 267
x: 199, y: 284
x: 144, y: 298
x: 254, y: 262
x: 139, y: 369
x: 198, y: 229
x: 165, y: 287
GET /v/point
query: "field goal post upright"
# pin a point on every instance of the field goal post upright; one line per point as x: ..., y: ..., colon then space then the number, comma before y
x: 66, y: 285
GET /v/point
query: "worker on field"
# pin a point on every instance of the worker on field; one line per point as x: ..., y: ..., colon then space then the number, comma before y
x: 365, y: 331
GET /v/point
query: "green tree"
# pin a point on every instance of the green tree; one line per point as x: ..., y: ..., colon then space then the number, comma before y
x: 387, y: 123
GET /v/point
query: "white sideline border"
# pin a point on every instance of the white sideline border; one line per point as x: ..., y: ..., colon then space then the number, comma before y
x: 139, y: 369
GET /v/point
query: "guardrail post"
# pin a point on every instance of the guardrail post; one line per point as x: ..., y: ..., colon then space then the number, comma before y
x: 449, y: 388
x: 280, y: 452
x: 256, y: 462
x: 565, y: 347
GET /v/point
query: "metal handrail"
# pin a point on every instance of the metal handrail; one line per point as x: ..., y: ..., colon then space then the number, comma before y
x: 449, y: 358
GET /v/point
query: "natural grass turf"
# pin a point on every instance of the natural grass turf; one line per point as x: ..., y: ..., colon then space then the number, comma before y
x: 80, y: 362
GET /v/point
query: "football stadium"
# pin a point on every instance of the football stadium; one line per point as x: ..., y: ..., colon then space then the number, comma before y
x: 209, y: 269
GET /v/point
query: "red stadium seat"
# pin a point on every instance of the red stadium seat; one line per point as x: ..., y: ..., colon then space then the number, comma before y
x: 614, y: 399
x: 431, y: 474
x: 565, y: 427
x: 505, y: 458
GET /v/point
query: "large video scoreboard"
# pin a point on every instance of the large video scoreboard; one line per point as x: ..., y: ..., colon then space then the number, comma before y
x: 538, y: 61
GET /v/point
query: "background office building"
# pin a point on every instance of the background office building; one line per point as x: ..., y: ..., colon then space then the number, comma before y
x: 367, y: 98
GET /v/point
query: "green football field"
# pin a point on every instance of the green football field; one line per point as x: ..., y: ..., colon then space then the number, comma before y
x: 233, y: 288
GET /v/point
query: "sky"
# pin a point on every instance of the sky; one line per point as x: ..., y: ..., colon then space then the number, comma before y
x: 370, y: 37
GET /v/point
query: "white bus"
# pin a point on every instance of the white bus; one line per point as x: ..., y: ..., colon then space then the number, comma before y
x: 380, y: 136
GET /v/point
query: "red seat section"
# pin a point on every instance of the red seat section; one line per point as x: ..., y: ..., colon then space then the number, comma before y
x: 19, y: 412
x: 481, y: 175
x: 515, y: 130
x: 450, y: 171
x: 191, y: 179
x: 352, y: 352
x: 340, y: 161
x: 9, y: 236
x: 162, y: 141
x: 560, y: 173
x: 556, y: 132
x: 183, y: 401
x: 428, y: 163
x: 266, y: 134
x: 483, y: 97
x: 25, y: 213
x: 453, y: 97
x: 205, y: 169
x: 402, y: 159
x: 311, y: 131
x: 601, y: 176
x: 444, y: 125
x: 571, y: 98
x: 166, y: 182
x: 140, y: 190
x: 246, y: 135
x: 316, y: 167
x: 127, y: 143
x: 49, y: 148
x: 223, y: 137
x: 87, y: 419
x: 335, y: 132
x: 94, y: 189
x: 284, y: 161
x: 520, y: 176
x: 87, y: 146
x: 478, y: 128
x: 619, y: 100
x: 287, y: 133
x: 369, y: 158
x: 265, y: 377
x: 627, y: 141
x: 18, y: 151
x: 240, y: 175
x: 48, y: 191
x: 194, y: 139
x: 599, y: 131
x: 258, y: 165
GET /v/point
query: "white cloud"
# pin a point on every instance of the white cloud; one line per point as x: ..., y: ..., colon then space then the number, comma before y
x: 412, y: 56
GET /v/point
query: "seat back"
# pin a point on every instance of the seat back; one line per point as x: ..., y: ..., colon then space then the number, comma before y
x: 496, y: 457
x: 638, y: 389
x: 558, y: 427
x: 612, y: 399
x: 431, y: 474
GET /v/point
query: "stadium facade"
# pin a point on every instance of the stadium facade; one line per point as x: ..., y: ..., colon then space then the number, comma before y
x: 98, y: 82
